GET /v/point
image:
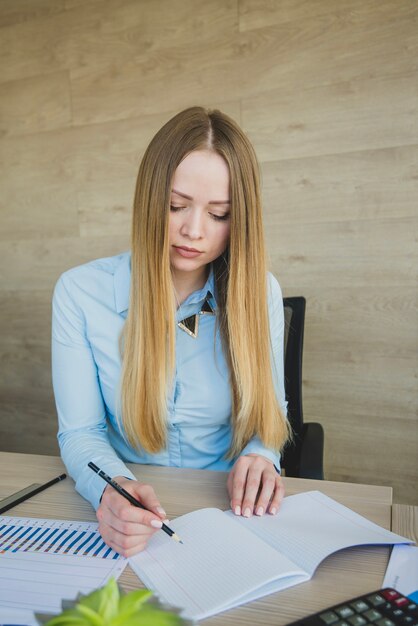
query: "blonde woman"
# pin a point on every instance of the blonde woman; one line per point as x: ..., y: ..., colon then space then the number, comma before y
x: 173, y: 354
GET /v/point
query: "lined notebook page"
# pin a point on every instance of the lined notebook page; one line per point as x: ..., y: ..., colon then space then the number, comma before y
x: 219, y: 565
x: 39, y: 582
x: 310, y: 526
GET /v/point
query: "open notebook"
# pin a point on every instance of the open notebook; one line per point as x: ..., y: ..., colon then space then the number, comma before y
x: 227, y: 560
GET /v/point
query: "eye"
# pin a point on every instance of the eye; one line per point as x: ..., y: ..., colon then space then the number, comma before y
x: 176, y: 208
x: 219, y: 218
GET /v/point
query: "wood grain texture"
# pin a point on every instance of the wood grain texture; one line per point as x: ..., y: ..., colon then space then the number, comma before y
x: 405, y: 520
x: 248, y: 64
x: 289, y: 122
x: 28, y: 420
x: 343, y: 254
x: 346, y: 573
x: 327, y: 92
x: 35, y: 104
x: 262, y: 13
x: 17, y: 11
x: 39, y: 262
x: 351, y: 186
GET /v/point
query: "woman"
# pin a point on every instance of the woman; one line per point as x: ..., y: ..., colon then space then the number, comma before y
x: 173, y: 355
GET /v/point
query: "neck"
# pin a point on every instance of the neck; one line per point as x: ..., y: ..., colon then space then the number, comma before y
x: 185, y: 283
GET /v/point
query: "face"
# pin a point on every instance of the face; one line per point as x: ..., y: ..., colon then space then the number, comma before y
x: 199, y: 223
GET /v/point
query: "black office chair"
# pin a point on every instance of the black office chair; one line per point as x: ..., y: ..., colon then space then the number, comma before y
x: 302, y: 458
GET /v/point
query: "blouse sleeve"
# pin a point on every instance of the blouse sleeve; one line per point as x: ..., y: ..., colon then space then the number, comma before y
x: 82, y: 434
x: 276, y: 319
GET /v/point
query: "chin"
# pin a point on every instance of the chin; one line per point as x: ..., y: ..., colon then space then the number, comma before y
x: 187, y: 265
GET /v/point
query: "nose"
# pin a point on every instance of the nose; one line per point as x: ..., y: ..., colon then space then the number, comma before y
x: 192, y: 226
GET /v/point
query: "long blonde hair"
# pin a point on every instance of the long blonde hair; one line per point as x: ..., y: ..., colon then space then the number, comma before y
x: 241, y: 289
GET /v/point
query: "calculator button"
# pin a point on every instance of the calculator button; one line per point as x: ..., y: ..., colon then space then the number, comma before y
x: 401, y: 601
x: 372, y: 615
x: 390, y: 594
x: 376, y: 599
x: 360, y: 606
x: 385, y: 621
x: 357, y: 620
x: 344, y: 611
x: 383, y: 607
x: 329, y: 617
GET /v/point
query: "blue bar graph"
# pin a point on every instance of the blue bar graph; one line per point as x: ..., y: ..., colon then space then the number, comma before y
x: 24, y: 534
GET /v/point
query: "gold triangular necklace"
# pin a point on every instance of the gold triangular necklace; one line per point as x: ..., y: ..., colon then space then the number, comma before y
x: 190, y: 324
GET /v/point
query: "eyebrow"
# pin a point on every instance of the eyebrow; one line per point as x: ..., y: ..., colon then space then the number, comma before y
x: 184, y: 195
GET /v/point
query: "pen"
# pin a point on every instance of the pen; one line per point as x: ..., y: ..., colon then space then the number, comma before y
x: 131, y: 499
x: 15, y: 498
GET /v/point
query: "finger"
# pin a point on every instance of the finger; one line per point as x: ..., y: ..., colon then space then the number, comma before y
x: 239, y: 479
x: 123, y: 544
x: 129, y: 541
x: 267, y: 491
x: 147, y: 497
x: 124, y: 517
x: 251, y: 489
x: 277, y: 497
x: 141, y: 492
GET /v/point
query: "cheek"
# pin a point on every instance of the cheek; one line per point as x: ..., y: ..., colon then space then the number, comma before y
x: 224, y: 236
x: 172, y: 228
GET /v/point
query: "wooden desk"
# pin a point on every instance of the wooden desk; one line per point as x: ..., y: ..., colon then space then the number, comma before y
x: 405, y: 520
x: 340, y: 576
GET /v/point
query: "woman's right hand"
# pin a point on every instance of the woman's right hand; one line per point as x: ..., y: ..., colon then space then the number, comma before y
x: 124, y: 527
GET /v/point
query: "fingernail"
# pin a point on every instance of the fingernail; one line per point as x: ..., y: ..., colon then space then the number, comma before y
x: 161, y: 510
x: 260, y: 511
x: 273, y: 511
x: 247, y: 512
x: 237, y: 510
x: 156, y: 523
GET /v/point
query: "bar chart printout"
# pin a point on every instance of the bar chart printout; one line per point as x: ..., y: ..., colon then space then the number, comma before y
x: 44, y: 561
x: 23, y: 534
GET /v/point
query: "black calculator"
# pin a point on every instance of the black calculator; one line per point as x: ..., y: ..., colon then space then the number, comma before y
x: 385, y: 607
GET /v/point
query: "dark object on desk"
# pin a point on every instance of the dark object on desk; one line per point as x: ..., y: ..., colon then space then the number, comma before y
x: 130, y: 498
x: 26, y: 493
x: 304, y: 457
x: 384, y: 607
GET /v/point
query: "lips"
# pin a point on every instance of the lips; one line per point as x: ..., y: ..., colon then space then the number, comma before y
x: 188, y: 253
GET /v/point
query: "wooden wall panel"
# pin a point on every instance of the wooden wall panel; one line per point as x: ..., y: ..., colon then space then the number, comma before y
x: 353, y: 186
x: 328, y: 93
x: 36, y: 104
x: 250, y: 63
x: 19, y: 11
x: 263, y: 13
x: 333, y: 119
x: 37, y: 263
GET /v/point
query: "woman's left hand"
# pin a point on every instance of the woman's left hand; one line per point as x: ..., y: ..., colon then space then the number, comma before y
x: 254, y: 486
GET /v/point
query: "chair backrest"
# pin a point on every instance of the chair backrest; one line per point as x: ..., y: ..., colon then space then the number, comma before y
x: 294, y: 314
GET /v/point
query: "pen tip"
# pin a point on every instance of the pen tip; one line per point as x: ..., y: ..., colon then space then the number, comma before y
x: 176, y: 538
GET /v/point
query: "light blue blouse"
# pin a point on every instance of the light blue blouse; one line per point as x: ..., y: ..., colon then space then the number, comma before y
x: 90, y: 305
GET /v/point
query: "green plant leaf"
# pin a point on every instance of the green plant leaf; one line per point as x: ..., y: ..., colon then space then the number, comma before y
x: 103, y: 601
x: 134, y: 599
x: 129, y: 604
x: 150, y: 616
x: 106, y: 607
x: 92, y: 618
x: 68, y: 618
